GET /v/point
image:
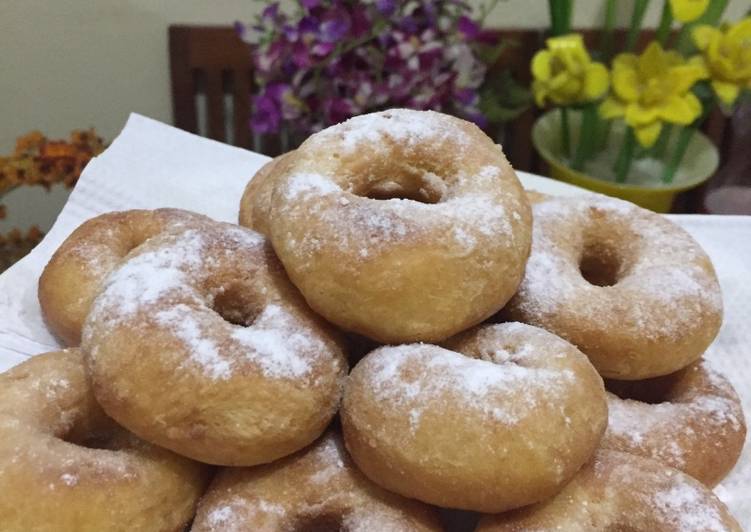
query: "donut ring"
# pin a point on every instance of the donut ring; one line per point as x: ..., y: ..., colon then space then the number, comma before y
x: 53, y: 478
x: 507, y: 427
x: 401, y: 225
x: 74, y: 274
x: 255, y: 375
x: 632, y: 290
x: 256, y: 200
x: 695, y: 422
x: 316, y: 489
x: 619, y: 491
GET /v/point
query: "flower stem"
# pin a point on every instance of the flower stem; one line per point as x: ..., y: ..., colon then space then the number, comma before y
x: 637, y: 16
x: 684, y: 139
x: 625, y: 156
x: 565, y: 134
x: 586, y: 136
x: 658, y: 151
x: 606, y: 41
x: 666, y: 19
x: 560, y: 16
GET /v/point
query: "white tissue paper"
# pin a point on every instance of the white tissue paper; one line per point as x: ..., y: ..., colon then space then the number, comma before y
x: 152, y: 165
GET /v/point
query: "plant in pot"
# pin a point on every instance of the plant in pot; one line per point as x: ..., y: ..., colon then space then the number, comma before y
x: 633, y: 131
x: 324, y: 61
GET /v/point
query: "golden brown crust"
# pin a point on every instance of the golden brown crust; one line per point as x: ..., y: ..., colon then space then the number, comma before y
x: 628, y: 287
x: 504, y: 426
x: 318, y: 488
x: 255, y: 203
x: 691, y: 420
x: 618, y: 491
x: 253, y: 374
x: 74, y: 274
x: 402, y: 225
x: 50, y: 483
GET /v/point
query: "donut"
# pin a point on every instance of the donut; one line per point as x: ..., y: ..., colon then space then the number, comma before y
x: 401, y: 225
x: 316, y: 489
x: 629, y: 288
x: 256, y: 199
x: 506, y: 425
x: 691, y: 420
x: 620, y: 491
x: 74, y: 274
x: 66, y: 467
x: 200, y: 344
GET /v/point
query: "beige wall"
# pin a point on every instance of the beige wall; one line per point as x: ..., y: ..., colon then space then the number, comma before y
x: 78, y: 63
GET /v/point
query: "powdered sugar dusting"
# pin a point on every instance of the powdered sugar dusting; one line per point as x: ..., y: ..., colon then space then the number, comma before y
x: 663, y: 289
x: 305, y: 183
x: 403, y: 126
x: 449, y: 374
x: 685, y: 506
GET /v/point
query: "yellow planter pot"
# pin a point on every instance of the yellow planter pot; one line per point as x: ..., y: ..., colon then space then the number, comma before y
x: 643, y: 185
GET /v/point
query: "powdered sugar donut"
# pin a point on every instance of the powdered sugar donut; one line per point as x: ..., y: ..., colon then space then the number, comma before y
x: 619, y: 491
x: 74, y: 274
x: 507, y: 425
x: 316, y: 489
x: 401, y: 225
x: 200, y: 344
x: 66, y: 467
x: 632, y: 290
x: 691, y: 420
x: 255, y: 203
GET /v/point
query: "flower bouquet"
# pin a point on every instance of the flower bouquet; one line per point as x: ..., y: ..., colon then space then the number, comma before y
x: 38, y: 161
x: 330, y: 60
x: 632, y: 130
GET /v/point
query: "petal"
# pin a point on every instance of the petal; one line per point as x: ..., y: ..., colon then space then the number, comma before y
x: 638, y: 115
x: 595, y: 81
x: 680, y: 110
x: 647, y: 135
x: 611, y: 108
x: 703, y: 35
x: 688, y: 10
x: 684, y: 77
x: 726, y: 92
x: 652, y: 63
x: 741, y: 30
x: 626, y: 61
x: 626, y: 83
x: 540, y: 91
x: 541, y: 65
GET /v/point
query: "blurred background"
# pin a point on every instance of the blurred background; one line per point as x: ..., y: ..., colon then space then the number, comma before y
x: 74, y: 65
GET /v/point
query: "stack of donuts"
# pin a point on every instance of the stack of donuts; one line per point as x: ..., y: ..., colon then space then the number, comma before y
x: 395, y: 337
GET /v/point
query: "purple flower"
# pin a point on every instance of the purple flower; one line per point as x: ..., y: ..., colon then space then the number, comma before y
x: 386, y: 7
x: 310, y: 4
x: 467, y: 27
x: 335, y: 26
x: 266, y: 116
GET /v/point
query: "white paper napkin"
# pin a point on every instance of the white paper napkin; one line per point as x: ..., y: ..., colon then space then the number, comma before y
x: 153, y: 165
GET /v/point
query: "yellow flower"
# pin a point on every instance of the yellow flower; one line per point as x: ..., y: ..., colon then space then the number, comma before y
x: 653, y: 88
x: 688, y: 10
x: 726, y: 55
x: 565, y: 74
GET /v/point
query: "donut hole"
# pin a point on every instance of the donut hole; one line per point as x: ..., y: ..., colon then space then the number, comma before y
x: 423, y: 192
x: 102, y: 438
x: 322, y: 522
x: 236, y: 306
x: 651, y: 391
x: 600, y: 265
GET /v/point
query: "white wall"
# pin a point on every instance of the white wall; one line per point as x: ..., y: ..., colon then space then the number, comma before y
x: 68, y: 64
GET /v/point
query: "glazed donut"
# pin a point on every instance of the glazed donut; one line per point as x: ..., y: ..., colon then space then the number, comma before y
x: 316, y: 489
x: 73, y: 276
x: 401, y: 225
x: 632, y: 290
x: 619, y: 491
x: 66, y: 467
x: 507, y: 425
x: 691, y: 420
x: 256, y: 200
x: 253, y: 374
